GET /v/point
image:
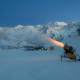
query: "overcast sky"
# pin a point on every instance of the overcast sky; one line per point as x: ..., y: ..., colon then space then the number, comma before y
x: 35, y: 12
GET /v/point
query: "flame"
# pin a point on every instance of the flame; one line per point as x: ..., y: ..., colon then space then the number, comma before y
x: 56, y: 42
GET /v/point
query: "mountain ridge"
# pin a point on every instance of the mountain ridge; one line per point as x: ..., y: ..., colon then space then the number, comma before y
x: 25, y: 34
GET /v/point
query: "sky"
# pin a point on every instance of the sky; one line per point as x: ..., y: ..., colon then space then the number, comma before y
x: 38, y: 12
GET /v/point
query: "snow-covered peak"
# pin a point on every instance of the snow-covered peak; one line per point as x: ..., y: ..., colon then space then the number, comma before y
x: 1, y: 28
x: 56, y: 24
x: 18, y: 27
x: 38, y: 26
x: 61, y: 23
x: 72, y: 23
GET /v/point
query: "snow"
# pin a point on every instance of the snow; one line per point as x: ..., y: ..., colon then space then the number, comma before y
x: 18, y: 27
x: 56, y: 24
x: 18, y: 64
x: 61, y: 23
x: 27, y: 34
x: 36, y: 65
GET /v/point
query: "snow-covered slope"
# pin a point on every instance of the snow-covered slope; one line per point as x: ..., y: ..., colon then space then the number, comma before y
x: 32, y: 34
x: 40, y: 65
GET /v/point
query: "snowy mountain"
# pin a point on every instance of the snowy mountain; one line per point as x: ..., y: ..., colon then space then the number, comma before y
x: 24, y: 35
x: 56, y: 24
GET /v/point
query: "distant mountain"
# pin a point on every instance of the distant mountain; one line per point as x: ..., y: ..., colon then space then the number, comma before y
x: 63, y: 31
x: 27, y: 35
x: 56, y: 24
